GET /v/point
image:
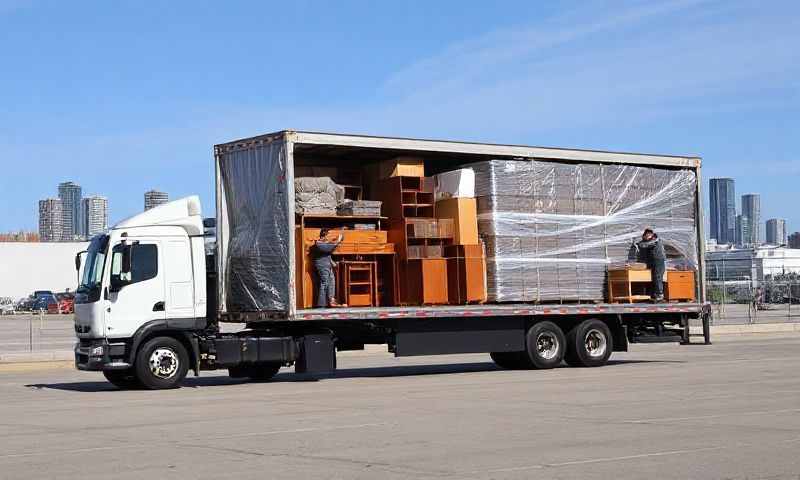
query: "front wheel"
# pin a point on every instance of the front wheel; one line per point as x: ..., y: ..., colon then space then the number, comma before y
x: 162, y: 363
x: 122, y: 379
x: 589, y: 344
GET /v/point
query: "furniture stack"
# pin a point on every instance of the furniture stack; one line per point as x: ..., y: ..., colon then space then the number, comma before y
x: 367, y: 275
x: 551, y: 229
x: 420, y: 237
x: 466, y: 261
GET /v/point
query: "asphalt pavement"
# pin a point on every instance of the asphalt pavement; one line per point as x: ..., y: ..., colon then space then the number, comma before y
x: 729, y: 410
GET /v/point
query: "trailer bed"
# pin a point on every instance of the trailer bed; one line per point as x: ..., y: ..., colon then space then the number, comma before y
x: 504, y: 310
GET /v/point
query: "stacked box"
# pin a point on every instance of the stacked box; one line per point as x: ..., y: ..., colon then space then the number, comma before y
x: 362, y: 208
x: 551, y: 229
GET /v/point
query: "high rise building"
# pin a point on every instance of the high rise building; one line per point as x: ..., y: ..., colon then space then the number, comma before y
x: 776, y: 231
x: 722, y: 205
x: 95, y: 215
x: 742, y: 230
x: 51, y: 217
x: 794, y: 240
x: 154, y: 198
x: 751, y: 208
x: 72, y: 224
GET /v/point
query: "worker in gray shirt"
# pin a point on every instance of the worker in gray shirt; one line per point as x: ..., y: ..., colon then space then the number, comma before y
x: 651, y: 252
x: 322, y: 258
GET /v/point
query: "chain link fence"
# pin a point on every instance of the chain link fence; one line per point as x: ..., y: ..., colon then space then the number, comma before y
x: 773, y: 299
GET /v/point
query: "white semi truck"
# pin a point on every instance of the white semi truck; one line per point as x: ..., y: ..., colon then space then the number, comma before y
x: 151, y: 297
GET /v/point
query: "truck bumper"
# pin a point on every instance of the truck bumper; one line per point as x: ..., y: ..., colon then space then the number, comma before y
x: 97, y: 355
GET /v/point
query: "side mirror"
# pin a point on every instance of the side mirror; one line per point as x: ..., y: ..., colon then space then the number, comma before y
x: 126, y: 260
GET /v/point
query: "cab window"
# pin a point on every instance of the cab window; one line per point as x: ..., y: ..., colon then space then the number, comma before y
x: 144, y: 262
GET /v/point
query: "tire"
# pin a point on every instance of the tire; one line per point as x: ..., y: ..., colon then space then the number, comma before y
x: 259, y: 372
x: 589, y: 344
x: 122, y: 379
x: 545, y: 346
x: 169, y: 360
x: 508, y: 360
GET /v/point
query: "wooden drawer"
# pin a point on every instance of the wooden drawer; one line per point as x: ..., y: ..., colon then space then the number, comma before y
x: 364, y: 248
x: 311, y: 235
x: 625, y: 275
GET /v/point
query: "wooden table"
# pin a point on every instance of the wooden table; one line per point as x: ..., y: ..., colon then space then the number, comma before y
x: 628, y: 286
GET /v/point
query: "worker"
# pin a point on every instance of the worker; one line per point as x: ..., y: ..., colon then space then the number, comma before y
x: 322, y: 254
x: 651, y: 252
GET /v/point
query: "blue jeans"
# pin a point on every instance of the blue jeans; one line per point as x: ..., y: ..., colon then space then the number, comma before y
x: 326, y: 287
x: 657, y: 269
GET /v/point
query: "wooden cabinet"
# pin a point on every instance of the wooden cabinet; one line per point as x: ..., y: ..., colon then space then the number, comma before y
x: 426, y: 281
x: 466, y: 280
x: 680, y: 286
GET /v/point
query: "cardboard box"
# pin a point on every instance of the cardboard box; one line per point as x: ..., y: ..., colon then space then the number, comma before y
x: 464, y: 213
x: 455, y: 184
x: 402, y: 167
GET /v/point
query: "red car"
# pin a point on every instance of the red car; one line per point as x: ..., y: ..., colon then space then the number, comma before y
x: 64, y: 305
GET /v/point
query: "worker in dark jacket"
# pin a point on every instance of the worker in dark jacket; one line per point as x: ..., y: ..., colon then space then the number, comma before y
x: 322, y: 258
x: 651, y: 252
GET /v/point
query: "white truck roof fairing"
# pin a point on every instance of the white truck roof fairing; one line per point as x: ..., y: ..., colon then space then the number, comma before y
x: 184, y: 213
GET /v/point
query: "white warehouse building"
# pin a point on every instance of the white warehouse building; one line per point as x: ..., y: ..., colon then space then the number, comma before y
x: 746, y: 263
x: 25, y: 267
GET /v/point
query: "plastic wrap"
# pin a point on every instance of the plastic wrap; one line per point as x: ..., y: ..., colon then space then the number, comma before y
x: 257, y: 258
x: 552, y: 229
x: 317, y: 195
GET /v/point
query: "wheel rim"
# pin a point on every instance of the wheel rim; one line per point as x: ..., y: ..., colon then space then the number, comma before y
x: 547, y: 345
x: 596, y: 343
x: 163, y: 362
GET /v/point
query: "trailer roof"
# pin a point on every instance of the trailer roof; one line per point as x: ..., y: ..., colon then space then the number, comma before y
x: 473, y: 148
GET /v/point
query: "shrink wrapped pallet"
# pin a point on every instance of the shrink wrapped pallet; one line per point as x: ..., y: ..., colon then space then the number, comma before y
x: 551, y: 229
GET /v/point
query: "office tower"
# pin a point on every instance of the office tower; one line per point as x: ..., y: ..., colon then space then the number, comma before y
x: 751, y: 208
x: 95, y: 215
x: 794, y: 240
x: 154, y: 198
x: 72, y: 224
x: 722, y: 205
x: 776, y: 231
x: 742, y: 230
x: 51, y: 216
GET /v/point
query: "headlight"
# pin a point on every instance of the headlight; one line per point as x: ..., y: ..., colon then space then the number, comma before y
x: 97, y: 351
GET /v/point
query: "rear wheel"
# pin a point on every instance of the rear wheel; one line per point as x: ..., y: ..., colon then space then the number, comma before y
x: 162, y: 363
x: 589, y: 344
x: 259, y: 372
x: 122, y: 379
x: 545, y: 345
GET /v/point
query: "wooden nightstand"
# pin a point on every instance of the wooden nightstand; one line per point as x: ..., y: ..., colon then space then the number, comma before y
x: 680, y: 286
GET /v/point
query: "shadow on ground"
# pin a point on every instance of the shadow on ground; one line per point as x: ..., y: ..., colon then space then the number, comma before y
x: 369, y: 372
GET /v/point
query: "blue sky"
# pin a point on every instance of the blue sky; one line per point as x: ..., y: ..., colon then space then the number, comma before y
x: 126, y: 96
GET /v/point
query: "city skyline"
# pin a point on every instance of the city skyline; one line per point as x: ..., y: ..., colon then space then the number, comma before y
x: 595, y: 76
x: 72, y: 217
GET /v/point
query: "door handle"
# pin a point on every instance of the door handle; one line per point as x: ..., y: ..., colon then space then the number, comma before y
x: 158, y: 307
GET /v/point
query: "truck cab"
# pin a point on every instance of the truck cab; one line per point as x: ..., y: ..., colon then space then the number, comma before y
x: 144, y: 278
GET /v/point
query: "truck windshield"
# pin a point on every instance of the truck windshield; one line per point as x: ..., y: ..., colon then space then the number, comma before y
x: 93, y: 266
